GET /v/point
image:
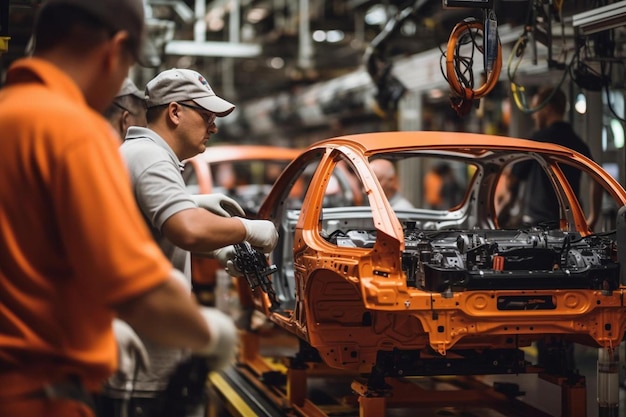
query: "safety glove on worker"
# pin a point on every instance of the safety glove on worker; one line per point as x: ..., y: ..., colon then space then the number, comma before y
x: 221, y: 349
x: 219, y: 204
x: 226, y: 257
x: 261, y: 234
x: 186, y: 387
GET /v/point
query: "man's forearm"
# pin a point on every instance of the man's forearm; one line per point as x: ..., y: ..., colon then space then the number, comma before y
x: 167, y: 315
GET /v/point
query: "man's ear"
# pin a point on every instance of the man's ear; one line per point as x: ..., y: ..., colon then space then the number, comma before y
x: 173, y: 113
x: 117, y: 51
x: 124, y: 123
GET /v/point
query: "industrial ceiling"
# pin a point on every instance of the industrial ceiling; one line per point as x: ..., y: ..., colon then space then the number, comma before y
x: 254, y: 49
x: 251, y: 48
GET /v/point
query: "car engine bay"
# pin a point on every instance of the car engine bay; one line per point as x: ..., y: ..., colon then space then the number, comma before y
x: 533, y: 258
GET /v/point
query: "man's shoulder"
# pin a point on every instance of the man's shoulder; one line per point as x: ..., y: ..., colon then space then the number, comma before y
x: 142, y: 155
x: 142, y: 147
x: 567, y: 136
x: 143, y: 143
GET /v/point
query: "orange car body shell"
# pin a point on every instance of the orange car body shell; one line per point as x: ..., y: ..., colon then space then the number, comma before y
x: 335, y: 287
x: 234, y: 153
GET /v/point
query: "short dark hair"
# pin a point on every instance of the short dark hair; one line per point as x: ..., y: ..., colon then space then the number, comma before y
x: 130, y: 102
x: 55, y: 19
x: 554, y: 97
x: 153, y: 113
x: 69, y: 25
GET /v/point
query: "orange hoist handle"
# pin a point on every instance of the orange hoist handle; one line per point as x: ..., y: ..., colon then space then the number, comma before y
x: 466, y: 93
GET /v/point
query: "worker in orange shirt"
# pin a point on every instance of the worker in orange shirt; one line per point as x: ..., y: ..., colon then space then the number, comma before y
x: 441, y: 190
x: 75, y: 254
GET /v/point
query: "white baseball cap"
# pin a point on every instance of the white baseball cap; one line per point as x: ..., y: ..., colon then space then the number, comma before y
x: 182, y: 85
x: 130, y: 89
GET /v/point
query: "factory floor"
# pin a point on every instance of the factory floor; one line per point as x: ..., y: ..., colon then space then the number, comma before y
x: 538, y: 394
x: 545, y: 396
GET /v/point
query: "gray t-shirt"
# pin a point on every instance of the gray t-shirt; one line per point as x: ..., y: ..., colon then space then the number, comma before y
x: 160, y: 192
x: 158, y: 186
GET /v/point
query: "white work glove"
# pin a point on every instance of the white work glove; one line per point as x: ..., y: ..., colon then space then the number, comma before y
x: 132, y: 354
x: 261, y: 234
x: 221, y: 350
x: 226, y: 256
x: 219, y: 204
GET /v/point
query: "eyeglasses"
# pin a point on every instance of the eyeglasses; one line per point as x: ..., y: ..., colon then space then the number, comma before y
x: 209, y: 118
x: 119, y: 106
x: 138, y: 105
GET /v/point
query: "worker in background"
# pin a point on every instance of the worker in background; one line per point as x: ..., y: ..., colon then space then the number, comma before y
x: 388, y: 179
x: 441, y: 189
x: 181, y: 113
x: 539, y: 201
x: 127, y: 109
x: 75, y: 252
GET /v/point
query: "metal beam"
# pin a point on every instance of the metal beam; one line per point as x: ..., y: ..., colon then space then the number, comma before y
x: 600, y: 18
x: 216, y: 49
x: 180, y: 8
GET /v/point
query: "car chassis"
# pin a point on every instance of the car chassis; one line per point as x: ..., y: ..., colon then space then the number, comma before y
x: 418, y: 292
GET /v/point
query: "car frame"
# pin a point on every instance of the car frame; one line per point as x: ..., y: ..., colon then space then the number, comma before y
x: 201, y: 164
x: 356, y: 306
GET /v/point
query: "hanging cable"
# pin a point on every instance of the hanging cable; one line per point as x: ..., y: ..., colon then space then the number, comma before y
x: 606, y: 73
x: 515, y: 58
x: 519, y: 91
x: 389, y: 89
x: 459, y: 69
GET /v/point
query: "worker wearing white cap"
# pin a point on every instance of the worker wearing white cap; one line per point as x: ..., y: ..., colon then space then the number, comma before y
x: 181, y: 113
x: 127, y: 109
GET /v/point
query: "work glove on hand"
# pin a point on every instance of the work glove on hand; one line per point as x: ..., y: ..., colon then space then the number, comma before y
x: 226, y: 257
x: 221, y: 350
x: 131, y: 351
x: 261, y: 234
x: 219, y: 204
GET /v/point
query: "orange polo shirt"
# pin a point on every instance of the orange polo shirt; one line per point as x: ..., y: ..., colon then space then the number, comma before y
x: 72, y: 242
x: 432, y: 189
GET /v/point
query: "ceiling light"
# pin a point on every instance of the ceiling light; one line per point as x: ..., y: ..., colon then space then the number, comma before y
x: 618, y: 133
x: 581, y: 103
x: 319, y: 36
x: 435, y: 93
x: 376, y: 15
x: 334, y: 36
x: 219, y: 49
x: 409, y: 28
x: 277, y: 62
x: 256, y: 14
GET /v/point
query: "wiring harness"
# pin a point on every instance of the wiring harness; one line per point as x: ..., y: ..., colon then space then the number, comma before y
x: 459, y: 69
